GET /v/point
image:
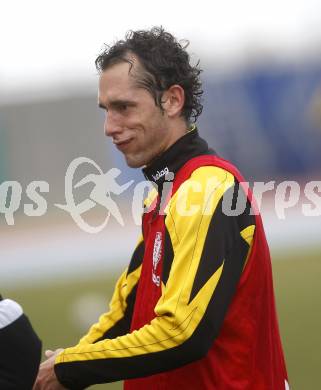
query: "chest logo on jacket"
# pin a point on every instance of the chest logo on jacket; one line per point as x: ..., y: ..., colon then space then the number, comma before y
x: 160, y: 174
x: 157, y: 253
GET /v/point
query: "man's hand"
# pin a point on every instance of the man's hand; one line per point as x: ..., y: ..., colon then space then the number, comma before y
x: 46, y: 379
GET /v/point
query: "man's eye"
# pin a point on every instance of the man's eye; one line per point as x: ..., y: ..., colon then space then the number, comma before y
x: 122, y: 107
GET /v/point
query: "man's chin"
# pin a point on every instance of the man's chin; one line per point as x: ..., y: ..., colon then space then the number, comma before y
x: 134, y: 163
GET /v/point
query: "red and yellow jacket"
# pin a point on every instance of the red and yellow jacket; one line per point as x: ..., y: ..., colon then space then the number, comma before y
x: 195, y: 307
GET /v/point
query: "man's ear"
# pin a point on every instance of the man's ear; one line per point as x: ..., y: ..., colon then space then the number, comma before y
x: 173, y: 101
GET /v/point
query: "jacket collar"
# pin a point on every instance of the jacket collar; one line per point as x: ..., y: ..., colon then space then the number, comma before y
x: 188, y: 146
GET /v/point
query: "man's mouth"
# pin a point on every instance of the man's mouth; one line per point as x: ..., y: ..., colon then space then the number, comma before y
x: 120, y: 144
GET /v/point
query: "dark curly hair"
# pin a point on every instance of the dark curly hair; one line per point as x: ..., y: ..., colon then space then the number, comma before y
x: 165, y: 62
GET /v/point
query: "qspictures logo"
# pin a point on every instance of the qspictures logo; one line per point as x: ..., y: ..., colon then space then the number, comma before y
x: 106, y: 191
x: 105, y: 184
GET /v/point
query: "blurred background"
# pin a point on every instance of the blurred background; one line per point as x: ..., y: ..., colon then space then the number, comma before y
x: 261, y: 66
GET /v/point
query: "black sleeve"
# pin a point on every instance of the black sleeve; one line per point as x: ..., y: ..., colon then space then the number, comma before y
x: 20, y: 355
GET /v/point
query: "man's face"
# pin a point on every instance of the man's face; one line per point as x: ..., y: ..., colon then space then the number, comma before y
x: 136, y: 125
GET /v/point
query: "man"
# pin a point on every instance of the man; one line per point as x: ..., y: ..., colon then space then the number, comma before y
x: 195, y: 307
x: 20, y: 348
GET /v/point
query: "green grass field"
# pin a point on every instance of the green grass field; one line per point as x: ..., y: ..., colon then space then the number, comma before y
x: 297, y: 279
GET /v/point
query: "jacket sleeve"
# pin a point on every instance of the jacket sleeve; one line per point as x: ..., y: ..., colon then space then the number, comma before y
x: 117, y: 320
x: 20, y: 351
x: 209, y: 252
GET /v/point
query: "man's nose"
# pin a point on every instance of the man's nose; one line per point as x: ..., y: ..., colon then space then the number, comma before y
x: 111, y: 125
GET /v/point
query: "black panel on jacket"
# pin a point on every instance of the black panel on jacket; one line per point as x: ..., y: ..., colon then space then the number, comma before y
x: 122, y: 326
x: 168, y: 257
x: 137, y: 258
x: 223, y: 234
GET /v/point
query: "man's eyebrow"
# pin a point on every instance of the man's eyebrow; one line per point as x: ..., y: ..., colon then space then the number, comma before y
x: 117, y: 103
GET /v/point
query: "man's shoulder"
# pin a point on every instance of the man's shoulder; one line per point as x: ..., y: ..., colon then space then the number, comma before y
x: 10, y: 311
x: 205, y: 185
x: 211, y: 172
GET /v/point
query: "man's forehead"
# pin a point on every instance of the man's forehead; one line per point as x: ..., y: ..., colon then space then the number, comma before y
x: 116, y: 73
x: 115, y: 80
x: 125, y: 69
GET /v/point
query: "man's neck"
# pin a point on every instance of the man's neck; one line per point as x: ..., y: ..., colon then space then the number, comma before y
x: 186, y: 147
